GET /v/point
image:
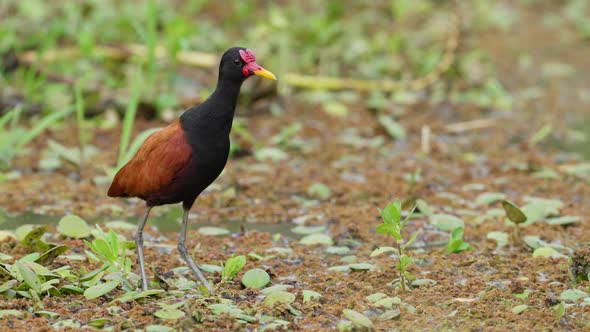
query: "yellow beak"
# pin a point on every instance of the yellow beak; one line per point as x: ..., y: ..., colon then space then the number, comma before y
x: 265, y: 73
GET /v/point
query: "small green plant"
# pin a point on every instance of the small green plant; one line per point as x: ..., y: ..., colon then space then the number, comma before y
x: 108, y: 249
x: 394, y: 225
x: 29, y: 277
x: 413, y: 180
x: 13, y: 137
x: 233, y: 266
x: 456, y: 243
x: 516, y: 215
x: 559, y: 311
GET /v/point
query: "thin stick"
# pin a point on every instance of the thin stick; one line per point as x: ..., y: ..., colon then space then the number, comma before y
x: 425, y: 140
x: 192, y: 58
x: 470, y: 125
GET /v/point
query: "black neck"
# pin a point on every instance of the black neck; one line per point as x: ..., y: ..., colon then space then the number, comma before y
x: 214, y: 115
x: 225, y: 96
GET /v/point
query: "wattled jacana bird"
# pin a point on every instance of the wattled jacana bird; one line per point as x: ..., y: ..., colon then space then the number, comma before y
x: 176, y: 163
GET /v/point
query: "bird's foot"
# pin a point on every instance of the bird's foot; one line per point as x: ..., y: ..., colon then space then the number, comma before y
x: 193, y: 267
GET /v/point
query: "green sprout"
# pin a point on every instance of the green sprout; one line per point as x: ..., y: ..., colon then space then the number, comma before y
x: 233, y: 266
x: 456, y: 243
x: 516, y: 215
x: 394, y: 225
x: 108, y: 249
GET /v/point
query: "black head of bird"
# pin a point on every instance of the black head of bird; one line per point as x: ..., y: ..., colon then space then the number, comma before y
x: 239, y: 63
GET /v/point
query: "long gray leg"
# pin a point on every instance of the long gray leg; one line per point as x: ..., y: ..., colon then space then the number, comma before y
x: 185, y: 255
x: 139, y: 246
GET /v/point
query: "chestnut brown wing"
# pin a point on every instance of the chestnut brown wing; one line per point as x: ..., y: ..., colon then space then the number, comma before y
x: 154, y: 166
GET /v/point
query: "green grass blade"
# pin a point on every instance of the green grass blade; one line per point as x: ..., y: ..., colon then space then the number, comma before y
x: 16, y: 116
x: 80, y: 120
x: 152, y: 18
x: 129, y: 118
x: 7, y: 117
x: 42, y: 125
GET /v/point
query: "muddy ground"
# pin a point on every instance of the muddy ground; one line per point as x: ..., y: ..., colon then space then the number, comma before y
x: 474, y: 290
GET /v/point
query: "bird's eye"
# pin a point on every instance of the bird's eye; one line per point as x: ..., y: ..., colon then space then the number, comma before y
x: 237, y: 62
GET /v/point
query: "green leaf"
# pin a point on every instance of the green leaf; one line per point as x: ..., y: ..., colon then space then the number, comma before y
x: 565, y: 220
x: 33, y: 239
x: 103, y: 249
x: 22, y: 231
x: 29, y: 276
x: 159, y: 328
x: 572, y: 295
x: 388, y: 229
x: 548, y: 252
x: 446, y: 222
x: 423, y: 207
x: 213, y: 231
x: 534, y: 242
x: 338, y: 250
x: 559, y: 311
x: 255, y: 278
x: 388, y: 302
x: 135, y: 295
x: 392, y: 213
x: 411, y: 240
x: 390, y: 314
x: 319, y: 190
x: 393, y: 128
x: 7, y: 285
x: 407, y: 218
x: 275, y: 288
x: 314, y: 239
x: 519, y: 309
x: 309, y: 295
x: 404, y: 261
x: 73, y: 226
x: 305, y: 230
x: 11, y: 312
x: 101, y: 289
x: 45, y: 313
x: 280, y: 297
x: 71, y: 289
x: 456, y: 243
x: 362, y: 267
x: 169, y: 313
x: 270, y: 153
x: 489, y: 198
x: 513, y: 212
x: 375, y: 297
x: 382, y: 250
x: 233, y: 266
x: 500, y: 237
x: 210, y: 268
x: 49, y: 256
x: 335, y: 108
x: 359, y: 320
x: 534, y: 212
x: 98, y: 323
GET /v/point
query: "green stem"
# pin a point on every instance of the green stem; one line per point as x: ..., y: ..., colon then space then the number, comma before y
x: 402, y: 278
x: 517, y: 234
